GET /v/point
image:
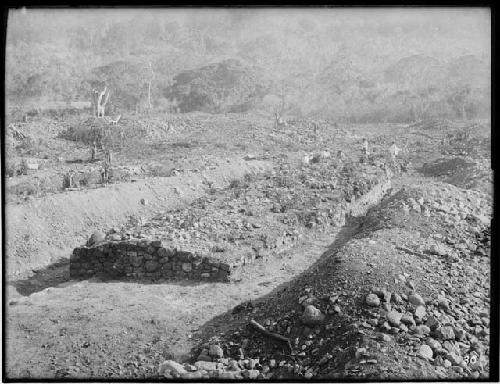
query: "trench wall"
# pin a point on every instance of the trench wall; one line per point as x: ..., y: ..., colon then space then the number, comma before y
x: 151, y: 260
x: 47, y: 229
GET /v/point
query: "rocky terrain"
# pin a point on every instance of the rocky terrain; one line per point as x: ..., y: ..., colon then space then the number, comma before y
x: 330, y: 284
x: 406, y: 298
x: 249, y: 194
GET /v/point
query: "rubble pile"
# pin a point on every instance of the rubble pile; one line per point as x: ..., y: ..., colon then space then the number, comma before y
x: 409, y: 297
x: 463, y: 172
x: 262, y: 215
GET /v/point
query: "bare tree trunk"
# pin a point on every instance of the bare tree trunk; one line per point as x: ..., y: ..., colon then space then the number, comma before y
x: 101, y: 103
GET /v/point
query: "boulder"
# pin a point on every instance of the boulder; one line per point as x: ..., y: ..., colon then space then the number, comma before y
x: 422, y: 330
x: 173, y: 367
x: 394, y: 318
x: 96, y: 238
x: 445, y: 333
x: 206, y: 365
x: 312, y: 315
x: 115, y: 237
x: 196, y: 375
x: 425, y: 352
x: 434, y: 344
x: 397, y: 299
x: 416, y: 300
x: 420, y: 312
x: 372, y: 300
x: 407, y: 319
x: 444, y: 304
x: 215, y: 351
x: 432, y: 323
x: 250, y: 374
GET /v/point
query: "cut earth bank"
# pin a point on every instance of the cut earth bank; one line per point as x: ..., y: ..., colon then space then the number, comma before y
x: 47, y: 229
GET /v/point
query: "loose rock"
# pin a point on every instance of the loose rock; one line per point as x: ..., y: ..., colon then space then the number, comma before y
x: 445, y: 333
x: 372, y: 300
x: 416, y: 299
x: 215, y: 351
x: 312, y: 316
x: 425, y: 352
x: 173, y: 367
x: 394, y: 318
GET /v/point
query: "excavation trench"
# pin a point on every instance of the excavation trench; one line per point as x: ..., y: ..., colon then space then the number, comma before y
x: 121, y: 318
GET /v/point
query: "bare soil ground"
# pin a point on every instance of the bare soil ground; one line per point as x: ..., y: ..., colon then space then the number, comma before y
x: 57, y: 327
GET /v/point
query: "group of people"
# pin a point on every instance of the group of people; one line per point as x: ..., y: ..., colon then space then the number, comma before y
x: 394, y: 150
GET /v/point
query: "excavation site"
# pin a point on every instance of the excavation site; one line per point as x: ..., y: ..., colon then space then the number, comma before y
x: 248, y: 194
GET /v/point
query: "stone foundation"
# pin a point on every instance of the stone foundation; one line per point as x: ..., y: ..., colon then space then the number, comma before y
x: 150, y: 260
x: 145, y: 259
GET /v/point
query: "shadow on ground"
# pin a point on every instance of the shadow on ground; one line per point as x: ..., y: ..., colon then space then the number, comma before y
x: 58, y: 273
x: 50, y: 276
x: 231, y: 319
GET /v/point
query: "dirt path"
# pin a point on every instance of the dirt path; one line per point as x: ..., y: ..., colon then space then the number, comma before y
x: 97, y: 328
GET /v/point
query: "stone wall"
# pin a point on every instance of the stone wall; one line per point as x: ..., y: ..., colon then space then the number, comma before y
x: 145, y: 259
x: 360, y: 206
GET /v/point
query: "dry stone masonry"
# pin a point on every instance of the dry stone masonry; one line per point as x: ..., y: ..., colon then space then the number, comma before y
x: 145, y: 259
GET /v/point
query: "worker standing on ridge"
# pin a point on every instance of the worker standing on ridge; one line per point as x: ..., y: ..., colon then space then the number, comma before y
x: 394, y: 151
x: 364, y: 149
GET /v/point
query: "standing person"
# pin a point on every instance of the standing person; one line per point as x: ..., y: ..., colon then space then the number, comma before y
x: 394, y: 151
x: 104, y: 174
x: 93, y: 151
x: 71, y: 179
x: 364, y: 149
x: 340, y: 155
x: 108, y: 158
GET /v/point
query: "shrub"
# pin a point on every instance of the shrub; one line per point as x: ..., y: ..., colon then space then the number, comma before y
x: 248, y: 177
x: 26, y: 188
x: 160, y: 171
x: 235, y: 184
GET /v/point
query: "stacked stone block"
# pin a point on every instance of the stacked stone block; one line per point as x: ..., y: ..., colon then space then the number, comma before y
x: 145, y: 259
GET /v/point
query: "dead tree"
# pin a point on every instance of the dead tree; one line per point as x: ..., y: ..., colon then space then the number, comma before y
x: 102, y: 101
x: 99, y: 101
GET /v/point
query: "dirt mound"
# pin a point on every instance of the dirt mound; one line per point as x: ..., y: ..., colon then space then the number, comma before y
x: 472, y: 174
x: 432, y: 208
x: 382, y: 308
x: 221, y: 87
x: 445, y: 167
